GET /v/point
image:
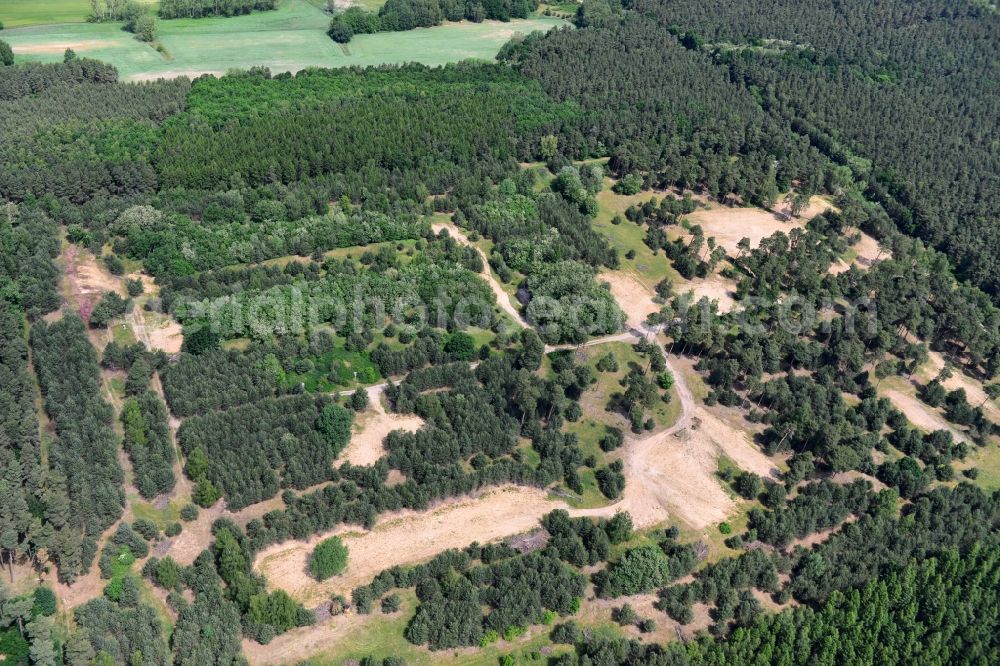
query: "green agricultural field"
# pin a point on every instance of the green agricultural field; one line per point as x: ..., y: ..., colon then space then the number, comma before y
x: 18, y: 13
x: 288, y: 39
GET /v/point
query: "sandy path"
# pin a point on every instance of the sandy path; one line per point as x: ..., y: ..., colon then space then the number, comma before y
x: 366, y: 445
x: 503, y: 298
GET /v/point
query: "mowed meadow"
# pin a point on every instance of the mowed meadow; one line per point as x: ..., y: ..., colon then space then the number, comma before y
x: 290, y: 38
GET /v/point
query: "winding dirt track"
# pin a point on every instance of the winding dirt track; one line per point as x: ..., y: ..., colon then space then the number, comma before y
x: 503, y: 298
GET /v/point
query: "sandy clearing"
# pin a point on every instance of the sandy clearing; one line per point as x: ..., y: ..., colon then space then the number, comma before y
x: 60, y: 47
x: 597, y: 610
x: 919, y: 414
x: 85, y: 280
x: 714, y: 288
x: 869, y: 250
x: 297, y: 644
x: 817, y: 204
x: 156, y: 330
x: 366, y: 445
x: 405, y: 537
x: 866, y: 252
x: 633, y: 298
x: 731, y: 224
x: 671, y: 473
x: 974, y: 391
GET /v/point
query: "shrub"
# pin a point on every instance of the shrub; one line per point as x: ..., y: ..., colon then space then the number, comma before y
x: 6, y: 54
x: 359, y: 400
x: 613, y: 438
x: 205, y: 493
x: 189, y: 512
x: 173, y: 529
x: 624, y: 615
x: 43, y: 602
x: 111, y: 305
x: 607, y: 363
x: 748, y: 485
x: 390, y: 604
x: 329, y: 558
x: 114, y: 264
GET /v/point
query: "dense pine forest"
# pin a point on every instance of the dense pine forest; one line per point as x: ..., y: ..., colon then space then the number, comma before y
x: 437, y: 239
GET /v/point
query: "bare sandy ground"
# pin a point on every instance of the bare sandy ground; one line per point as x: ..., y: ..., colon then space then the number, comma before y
x: 406, y: 537
x: 974, y: 391
x: 867, y: 251
x: 731, y: 224
x: 633, y: 298
x: 714, y: 288
x: 920, y: 414
x: 597, y: 611
x: 85, y: 280
x: 155, y: 330
x: 60, y: 47
x: 297, y: 644
x: 366, y: 445
x: 672, y: 474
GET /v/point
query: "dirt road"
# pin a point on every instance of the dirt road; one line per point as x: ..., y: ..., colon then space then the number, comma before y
x: 503, y: 298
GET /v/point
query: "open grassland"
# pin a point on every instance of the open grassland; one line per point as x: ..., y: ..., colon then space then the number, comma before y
x: 18, y: 13
x: 286, y: 40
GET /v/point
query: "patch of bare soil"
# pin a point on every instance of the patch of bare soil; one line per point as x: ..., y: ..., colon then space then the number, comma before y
x: 672, y: 473
x: 86, y: 280
x: 866, y: 252
x: 297, y: 644
x: 598, y: 611
x: 714, y: 288
x: 920, y: 414
x: 156, y: 330
x: 366, y: 445
x: 633, y: 298
x: 731, y: 224
x: 974, y: 391
x: 405, y: 537
x: 60, y: 47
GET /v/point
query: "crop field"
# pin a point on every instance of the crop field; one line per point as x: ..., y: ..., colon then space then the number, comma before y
x: 18, y: 13
x: 288, y: 39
